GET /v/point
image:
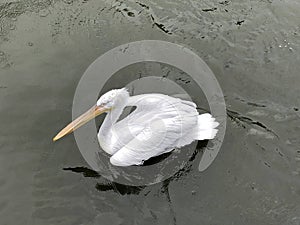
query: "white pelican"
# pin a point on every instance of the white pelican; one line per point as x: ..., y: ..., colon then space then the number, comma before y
x: 159, y: 124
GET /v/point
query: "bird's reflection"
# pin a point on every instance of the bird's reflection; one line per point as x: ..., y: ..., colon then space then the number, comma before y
x: 108, y: 186
x: 127, y: 189
x: 86, y: 172
x: 113, y: 186
x: 120, y: 188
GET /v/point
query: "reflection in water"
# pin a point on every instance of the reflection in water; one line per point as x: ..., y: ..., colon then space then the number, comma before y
x: 127, y: 189
x: 83, y: 170
x: 119, y: 188
x: 109, y: 186
x: 136, y: 190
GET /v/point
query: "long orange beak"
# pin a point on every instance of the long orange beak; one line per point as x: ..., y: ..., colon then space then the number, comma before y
x: 81, y: 120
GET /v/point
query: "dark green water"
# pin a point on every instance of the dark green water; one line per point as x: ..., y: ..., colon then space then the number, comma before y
x: 251, y: 46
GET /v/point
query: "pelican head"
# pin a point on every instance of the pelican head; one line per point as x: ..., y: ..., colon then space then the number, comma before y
x: 113, y: 98
x: 107, y: 102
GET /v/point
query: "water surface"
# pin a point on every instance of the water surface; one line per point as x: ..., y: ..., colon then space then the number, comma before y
x: 251, y: 46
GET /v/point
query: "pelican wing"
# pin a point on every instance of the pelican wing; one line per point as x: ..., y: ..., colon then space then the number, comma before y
x: 160, y: 123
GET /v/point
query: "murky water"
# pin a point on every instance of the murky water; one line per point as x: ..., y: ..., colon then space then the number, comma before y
x: 251, y: 46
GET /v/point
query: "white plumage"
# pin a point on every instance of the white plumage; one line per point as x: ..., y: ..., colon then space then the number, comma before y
x: 159, y: 124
